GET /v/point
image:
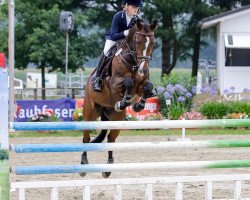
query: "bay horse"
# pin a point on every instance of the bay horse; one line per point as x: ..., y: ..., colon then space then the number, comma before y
x: 127, y: 83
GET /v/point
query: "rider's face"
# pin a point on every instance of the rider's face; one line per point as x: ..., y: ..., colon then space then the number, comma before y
x: 132, y: 10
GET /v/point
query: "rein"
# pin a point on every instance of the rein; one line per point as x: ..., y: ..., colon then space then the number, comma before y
x: 132, y: 52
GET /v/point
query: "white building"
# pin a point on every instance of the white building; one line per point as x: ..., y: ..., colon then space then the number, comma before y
x: 233, y: 48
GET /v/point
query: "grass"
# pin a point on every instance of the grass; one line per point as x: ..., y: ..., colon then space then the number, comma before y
x: 167, y: 132
x: 4, y: 179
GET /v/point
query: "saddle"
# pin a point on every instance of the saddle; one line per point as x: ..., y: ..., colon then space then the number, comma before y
x: 107, y: 66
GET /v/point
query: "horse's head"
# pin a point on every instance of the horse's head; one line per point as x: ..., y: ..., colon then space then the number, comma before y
x: 142, y: 42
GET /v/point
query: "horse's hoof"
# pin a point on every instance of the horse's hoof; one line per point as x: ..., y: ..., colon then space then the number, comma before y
x: 137, y: 107
x: 84, y: 161
x: 107, y: 174
x: 83, y: 174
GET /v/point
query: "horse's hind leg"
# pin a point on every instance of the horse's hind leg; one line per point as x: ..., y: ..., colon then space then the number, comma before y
x: 111, y: 139
x: 84, y: 158
x: 113, y: 134
x: 90, y: 114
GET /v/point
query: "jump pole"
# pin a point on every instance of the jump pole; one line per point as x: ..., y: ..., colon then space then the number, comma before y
x: 61, y: 169
x: 163, y: 124
x: 76, y: 147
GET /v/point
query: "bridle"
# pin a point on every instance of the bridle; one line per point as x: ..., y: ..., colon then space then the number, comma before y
x: 133, y: 53
x: 144, y: 58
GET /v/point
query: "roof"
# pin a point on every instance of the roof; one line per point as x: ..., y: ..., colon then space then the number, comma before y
x: 216, y: 19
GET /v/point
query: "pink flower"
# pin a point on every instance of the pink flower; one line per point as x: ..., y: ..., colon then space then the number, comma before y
x: 192, y: 116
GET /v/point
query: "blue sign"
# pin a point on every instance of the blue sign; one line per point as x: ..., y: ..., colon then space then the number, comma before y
x: 63, y: 108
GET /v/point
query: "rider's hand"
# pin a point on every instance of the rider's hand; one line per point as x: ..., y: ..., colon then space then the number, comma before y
x: 126, y: 32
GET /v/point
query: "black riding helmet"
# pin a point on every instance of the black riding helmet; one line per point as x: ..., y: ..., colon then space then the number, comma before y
x: 137, y: 3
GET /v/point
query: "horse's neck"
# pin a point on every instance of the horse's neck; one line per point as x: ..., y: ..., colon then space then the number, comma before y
x: 130, y: 38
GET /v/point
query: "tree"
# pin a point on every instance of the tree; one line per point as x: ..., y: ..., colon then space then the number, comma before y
x: 245, y: 2
x: 100, y: 12
x: 3, y: 27
x: 171, y: 15
x: 198, y: 10
x: 3, y: 155
x: 225, y: 4
x: 39, y: 41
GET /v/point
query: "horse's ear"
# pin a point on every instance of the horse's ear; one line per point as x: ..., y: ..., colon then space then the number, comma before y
x: 153, y: 26
x: 139, y: 24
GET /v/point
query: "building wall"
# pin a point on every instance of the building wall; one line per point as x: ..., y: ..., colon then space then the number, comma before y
x: 238, y: 77
x: 237, y: 24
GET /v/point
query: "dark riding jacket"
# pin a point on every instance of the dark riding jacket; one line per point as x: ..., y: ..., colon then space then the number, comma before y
x: 119, y: 25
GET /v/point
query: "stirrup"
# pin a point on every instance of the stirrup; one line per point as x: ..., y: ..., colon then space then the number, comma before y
x: 97, y: 84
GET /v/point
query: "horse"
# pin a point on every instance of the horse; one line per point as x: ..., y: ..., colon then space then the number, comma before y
x: 126, y: 84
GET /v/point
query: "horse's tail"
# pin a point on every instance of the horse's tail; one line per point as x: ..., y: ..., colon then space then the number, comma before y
x: 99, y: 138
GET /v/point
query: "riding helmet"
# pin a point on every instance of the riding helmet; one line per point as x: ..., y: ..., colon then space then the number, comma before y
x: 137, y: 3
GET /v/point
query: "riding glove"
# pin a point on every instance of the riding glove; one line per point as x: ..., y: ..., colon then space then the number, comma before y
x: 126, y: 32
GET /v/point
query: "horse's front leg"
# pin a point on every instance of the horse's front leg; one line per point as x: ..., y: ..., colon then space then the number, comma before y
x: 125, y: 102
x: 148, y: 87
x: 111, y: 139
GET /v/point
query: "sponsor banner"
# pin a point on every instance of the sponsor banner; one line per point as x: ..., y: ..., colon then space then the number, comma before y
x: 79, y: 103
x: 152, y: 106
x: 2, y: 60
x: 63, y: 108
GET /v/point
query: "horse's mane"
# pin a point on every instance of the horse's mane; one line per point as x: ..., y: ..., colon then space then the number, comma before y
x: 131, y: 34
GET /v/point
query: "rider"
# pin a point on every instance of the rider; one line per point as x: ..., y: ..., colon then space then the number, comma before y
x: 121, y: 23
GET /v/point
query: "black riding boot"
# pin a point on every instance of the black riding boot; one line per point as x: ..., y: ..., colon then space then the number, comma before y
x: 97, y: 79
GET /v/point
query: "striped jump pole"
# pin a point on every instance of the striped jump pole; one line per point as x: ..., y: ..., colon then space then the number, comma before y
x: 163, y: 124
x: 61, y: 169
x: 39, y: 148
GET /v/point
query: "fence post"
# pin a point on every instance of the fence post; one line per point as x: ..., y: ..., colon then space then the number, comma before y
x: 73, y: 92
x: 35, y: 94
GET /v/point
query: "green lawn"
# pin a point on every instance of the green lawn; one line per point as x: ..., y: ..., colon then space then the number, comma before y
x: 4, y: 179
x: 137, y: 132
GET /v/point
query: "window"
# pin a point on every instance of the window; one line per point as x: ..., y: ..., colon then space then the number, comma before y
x: 237, y: 50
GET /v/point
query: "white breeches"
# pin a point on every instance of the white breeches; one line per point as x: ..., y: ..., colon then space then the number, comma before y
x: 108, y: 45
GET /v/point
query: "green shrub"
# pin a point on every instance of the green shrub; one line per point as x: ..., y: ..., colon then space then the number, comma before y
x: 77, y: 115
x: 214, y: 110
x: 179, y: 99
x: 239, y: 107
x: 176, y: 110
x: 4, y: 155
x: 178, y: 90
x: 218, y: 110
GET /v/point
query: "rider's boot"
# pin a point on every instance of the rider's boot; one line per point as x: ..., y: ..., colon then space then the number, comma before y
x: 97, y: 79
